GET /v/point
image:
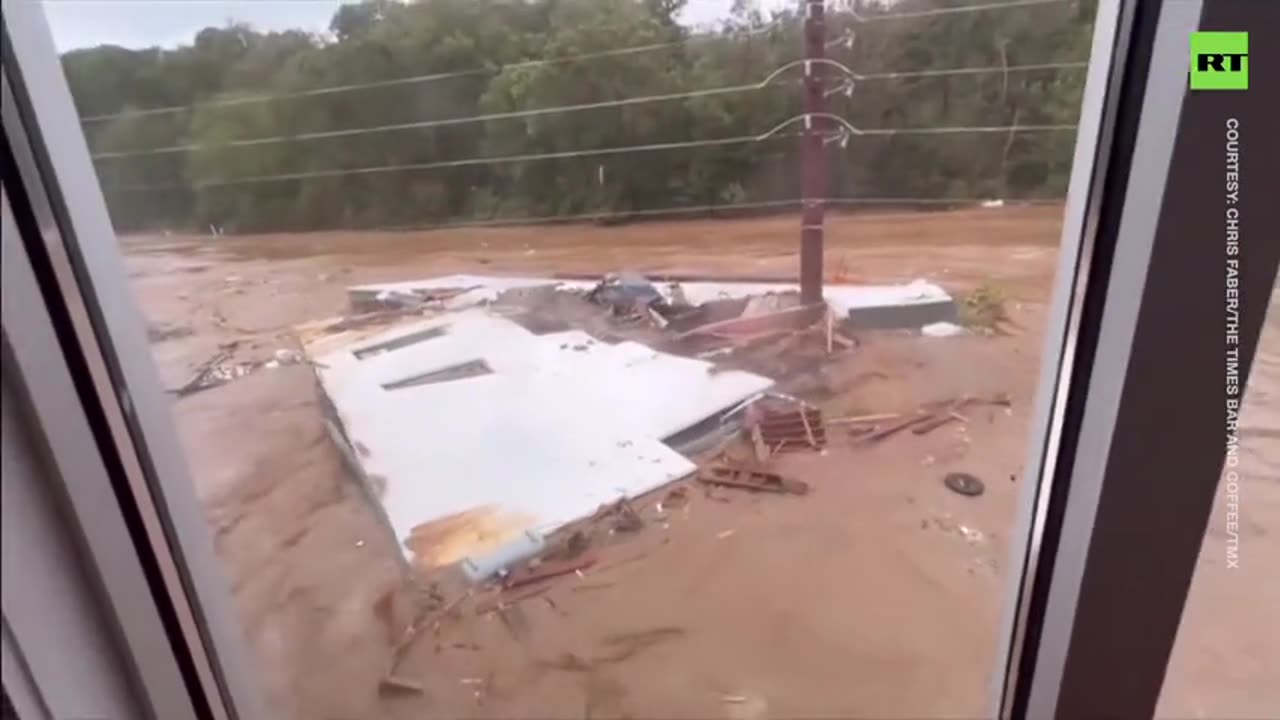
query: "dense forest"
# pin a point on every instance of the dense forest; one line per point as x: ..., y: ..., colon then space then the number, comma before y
x: 245, y: 130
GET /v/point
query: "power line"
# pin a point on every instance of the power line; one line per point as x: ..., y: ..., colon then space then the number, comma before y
x: 426, y: 124
x: 910, y: 14
x: 695, y: 209
x: 597, y: 152
x: 583, y: 217
x: 970, y: 70
x: 526, y: 157
x: 432, y: 77
x: 963, y: 129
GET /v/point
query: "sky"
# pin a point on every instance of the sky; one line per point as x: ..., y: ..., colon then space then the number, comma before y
x: 168, y: 23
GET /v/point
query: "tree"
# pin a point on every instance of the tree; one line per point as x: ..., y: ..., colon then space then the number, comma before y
x: 446, y: 60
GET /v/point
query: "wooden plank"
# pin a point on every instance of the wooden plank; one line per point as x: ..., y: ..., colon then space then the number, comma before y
x: 896, y: 427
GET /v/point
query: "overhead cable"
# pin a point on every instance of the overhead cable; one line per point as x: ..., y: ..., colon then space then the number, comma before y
x: 621, y: 102
x: 416, y: 79
x: 807, y: 119
x: 910, y: 14
x: 693, y: 209
x: 432, y: 77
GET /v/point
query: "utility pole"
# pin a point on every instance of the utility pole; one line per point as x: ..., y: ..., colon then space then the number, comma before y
x: 813, y: 160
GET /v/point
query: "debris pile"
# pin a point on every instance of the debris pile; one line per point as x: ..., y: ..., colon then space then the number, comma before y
x: 776, y: 423
x: 221, y: 369
x: 630, y: 295
x: 618, y: 378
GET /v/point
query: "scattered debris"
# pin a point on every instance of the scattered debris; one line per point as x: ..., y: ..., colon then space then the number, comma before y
x: 795, y: 429
x: 503, y: 600
x: 585, y: 587
x: 628, y: 295
x: 524, y: 546
x: 675, y: 499
x: 627, y: 520
x: 161, y: 333
x: 861, y: 432
x: 208, y: 375
x: 394, y: 683
x: 752, y: 480
x: 775, y: 429
x: 864, y: 419
x: 684, y: 318
x: 970, y: 534
x: 963, y: 483
x: 411, y: 632
x: 514, y: 619
x: 843, y: 341
x: 933, y: 423
x: 925, y: 419
x: 547, y: 570
x: 217, y: 371
x: 576, y: 544
x: 942, y: 329
x: 899, y: 426
x: 748, y: 328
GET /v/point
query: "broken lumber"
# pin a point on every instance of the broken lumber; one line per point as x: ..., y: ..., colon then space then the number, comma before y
x: 896, y: 427
x: 547, y: 570
x: 197, y: 382
x: 932, y: 424
x: 753, y: 480
x: 801, y: 428
x: 862, y: 419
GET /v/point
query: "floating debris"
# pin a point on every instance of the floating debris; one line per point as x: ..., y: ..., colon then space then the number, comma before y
x: 964, y: 484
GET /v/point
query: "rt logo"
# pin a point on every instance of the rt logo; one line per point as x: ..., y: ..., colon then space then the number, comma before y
x: 1220, y: 61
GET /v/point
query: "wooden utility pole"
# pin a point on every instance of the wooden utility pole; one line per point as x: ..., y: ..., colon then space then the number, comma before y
x: 813, y: 161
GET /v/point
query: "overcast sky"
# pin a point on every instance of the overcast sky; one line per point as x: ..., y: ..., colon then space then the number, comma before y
x: 144, y: 23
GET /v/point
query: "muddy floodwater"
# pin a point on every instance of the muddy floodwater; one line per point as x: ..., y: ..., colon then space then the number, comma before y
x: 878, y: 595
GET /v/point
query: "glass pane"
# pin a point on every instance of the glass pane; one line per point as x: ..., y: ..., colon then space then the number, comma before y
x: 564, y: 358
x: 1227, y: 653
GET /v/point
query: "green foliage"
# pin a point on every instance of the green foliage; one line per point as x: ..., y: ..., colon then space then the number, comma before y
x: 481, y: 45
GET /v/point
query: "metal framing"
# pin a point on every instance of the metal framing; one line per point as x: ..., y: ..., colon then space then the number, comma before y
x: 1090, y: 616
